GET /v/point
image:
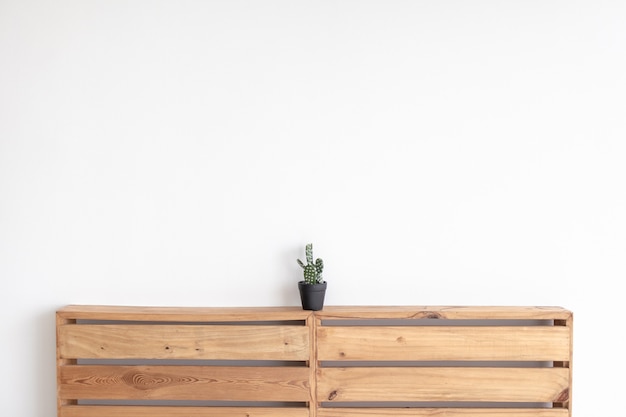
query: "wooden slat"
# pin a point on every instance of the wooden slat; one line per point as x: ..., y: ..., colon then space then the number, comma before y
x: 184, y: 383
x: 60, y: 362
x: 286, y: 343
x: 182, y: 314
x: 443, y: 384
x: 312, y: 323
x: 440, y: 412
x: 570, y: 325
x: 414, y: 343
x: 444, y: 312
x: 169, y: 411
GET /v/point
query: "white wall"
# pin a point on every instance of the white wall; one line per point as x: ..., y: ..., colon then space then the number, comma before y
x: 435, y: 152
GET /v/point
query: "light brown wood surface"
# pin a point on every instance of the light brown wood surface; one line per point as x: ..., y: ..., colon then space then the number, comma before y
x: 102, y: 341
x: 329, y: 363
x: 445, y: 312
x: 237, y: 383
x: 442, y: 384
x: 453, y: 343
x: 181, y: 314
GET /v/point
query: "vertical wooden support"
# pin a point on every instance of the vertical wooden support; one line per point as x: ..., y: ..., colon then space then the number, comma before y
x: 567, y: 400
x: 570, y: 325
x: 61, y: 362
x: 312, y: 323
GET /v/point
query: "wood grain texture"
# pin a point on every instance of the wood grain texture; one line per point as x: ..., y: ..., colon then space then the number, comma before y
x: 570, y: 326
x: 148, y: 354
x: 168, y: 411
x: 217, y: 383
x: 431, y: 343
x: 60, y: 362
x: 222, y: 342
x: 181, y: 314
x: 444, y: 312
x: 443, y: 384
x: 441, y: 412
x: 313, y: 322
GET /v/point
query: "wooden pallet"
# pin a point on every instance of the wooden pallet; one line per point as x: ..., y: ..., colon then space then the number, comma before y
x: 338, y: 362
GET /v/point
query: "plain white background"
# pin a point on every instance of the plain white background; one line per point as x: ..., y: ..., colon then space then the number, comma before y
x: 435, y: 152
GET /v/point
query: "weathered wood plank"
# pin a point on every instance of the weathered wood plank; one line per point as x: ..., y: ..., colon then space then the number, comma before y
x: 170, y: 411
x: 414, y: 343
x: 443, y: 384
x: 440, y: 412
x: 184, y: 383
x: 285, y: 343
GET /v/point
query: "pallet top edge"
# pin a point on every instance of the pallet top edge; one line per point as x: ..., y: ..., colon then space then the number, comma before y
x: 164, y: 313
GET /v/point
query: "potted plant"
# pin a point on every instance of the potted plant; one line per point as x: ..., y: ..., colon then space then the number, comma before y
x: 313, y: 287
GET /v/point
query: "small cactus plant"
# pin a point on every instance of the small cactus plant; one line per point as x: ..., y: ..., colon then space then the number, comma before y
x: 312, y: 270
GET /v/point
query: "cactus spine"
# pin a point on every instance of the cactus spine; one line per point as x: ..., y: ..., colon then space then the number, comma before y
x: 312, y: 270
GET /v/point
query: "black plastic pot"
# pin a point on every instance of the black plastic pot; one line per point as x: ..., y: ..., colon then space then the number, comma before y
x: 312, y: 295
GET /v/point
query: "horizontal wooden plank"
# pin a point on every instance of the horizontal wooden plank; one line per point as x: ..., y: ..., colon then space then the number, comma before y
x: 439, y: 412
x: 182, y: 314
x: 518, y: 343
x: 148, y: 313
x: 286, y: 343
x: 170, y: 411
x: 445, y: 312
x: 533, y: 385
x: 184, y: 383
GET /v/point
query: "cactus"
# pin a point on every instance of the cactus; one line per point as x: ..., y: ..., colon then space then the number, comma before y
x: 312, y: 270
